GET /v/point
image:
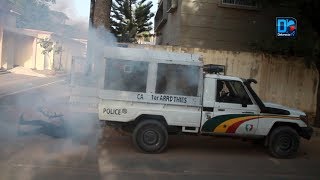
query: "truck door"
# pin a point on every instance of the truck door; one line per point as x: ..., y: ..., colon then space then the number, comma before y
x: 208, y: 101
x: 234, y: 110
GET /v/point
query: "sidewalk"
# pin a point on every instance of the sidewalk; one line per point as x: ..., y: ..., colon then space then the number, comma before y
x: 12, y: 83
x: 3, y: 71
x: 50, y: 72
x: 30, y: 72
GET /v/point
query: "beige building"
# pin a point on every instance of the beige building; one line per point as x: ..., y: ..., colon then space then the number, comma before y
x: 216, y: 24
x: 147, y: 38
x: 7, y: 20
x: 21, y: 47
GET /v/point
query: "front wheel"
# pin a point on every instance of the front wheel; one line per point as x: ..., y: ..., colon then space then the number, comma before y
x: 150, y: 136
x: 284, y: 142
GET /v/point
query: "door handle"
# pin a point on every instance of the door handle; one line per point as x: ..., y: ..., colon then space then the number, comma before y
x: 221, y: 109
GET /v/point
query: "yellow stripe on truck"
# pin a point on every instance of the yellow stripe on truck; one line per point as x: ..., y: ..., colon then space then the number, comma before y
x: 222, y: 128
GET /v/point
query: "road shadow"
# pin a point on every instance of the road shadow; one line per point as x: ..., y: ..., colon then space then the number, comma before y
x: 198, y: 144
x: 188, y: 144
x: 194, y: 157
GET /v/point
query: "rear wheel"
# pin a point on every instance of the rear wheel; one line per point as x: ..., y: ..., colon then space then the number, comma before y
x: 150, y: 136
x: 284, y: 142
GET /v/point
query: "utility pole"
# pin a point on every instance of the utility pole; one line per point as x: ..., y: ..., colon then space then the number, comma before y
x: 92, y: 5
x: 101, y: 13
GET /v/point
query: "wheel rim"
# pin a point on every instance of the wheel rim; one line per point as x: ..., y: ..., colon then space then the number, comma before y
x: 284, y: 143
x: 150, y: 137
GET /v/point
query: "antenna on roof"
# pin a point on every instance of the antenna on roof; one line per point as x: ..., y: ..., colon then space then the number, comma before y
x: 214, y: 69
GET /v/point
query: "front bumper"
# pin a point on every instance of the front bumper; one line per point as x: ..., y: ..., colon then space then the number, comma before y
x: 306, y: 132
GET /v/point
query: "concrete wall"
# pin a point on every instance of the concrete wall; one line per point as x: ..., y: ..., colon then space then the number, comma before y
x: 66, y: 59
x: 71, y: 48
x: 25, y: 51
x: 6, y: 40
x: 22, y: 50
x: 169, y: 34
x: 18, y: 48
x: 8, y: 47
x: 283, y: 80
x: 1, y: 40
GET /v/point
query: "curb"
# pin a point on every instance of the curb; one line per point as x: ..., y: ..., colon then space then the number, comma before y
x: 59, y: 75
x: 4, y: 72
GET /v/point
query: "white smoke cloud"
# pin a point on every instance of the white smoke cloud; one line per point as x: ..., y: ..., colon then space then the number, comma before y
x: 77, y: 10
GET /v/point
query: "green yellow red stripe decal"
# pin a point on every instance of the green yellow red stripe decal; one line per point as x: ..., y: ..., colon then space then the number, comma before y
x: 234, y: 126
x: 230, y: 122
x: 211, y: 124
x: 222, y: 128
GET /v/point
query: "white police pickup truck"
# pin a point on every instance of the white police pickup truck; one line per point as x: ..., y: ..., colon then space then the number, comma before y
x: 153, y: 94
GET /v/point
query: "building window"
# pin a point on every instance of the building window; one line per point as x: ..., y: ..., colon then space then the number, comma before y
x: 123, y: 75
x: 176, y: 79
x: 161, y: 17
x: 239, y: 3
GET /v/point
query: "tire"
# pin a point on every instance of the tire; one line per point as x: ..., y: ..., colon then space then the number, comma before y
x: 150, y: 136
x: 284, y: 142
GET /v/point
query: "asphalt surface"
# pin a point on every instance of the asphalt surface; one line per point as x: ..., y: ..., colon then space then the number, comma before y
x: 91, y: 153
x: 14, y: 83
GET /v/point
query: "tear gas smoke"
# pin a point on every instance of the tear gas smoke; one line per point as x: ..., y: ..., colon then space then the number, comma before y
x: 45, y: 114
x: 70, y: 111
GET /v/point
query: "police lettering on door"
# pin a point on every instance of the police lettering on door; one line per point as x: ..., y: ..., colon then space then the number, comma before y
x: 114, y: 111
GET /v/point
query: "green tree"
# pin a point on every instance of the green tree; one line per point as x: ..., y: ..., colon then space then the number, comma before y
x: 129, y: 18
x: 34, y: 13
x: 310, y: 10
x: 47, y: 45
x: 99, y: 26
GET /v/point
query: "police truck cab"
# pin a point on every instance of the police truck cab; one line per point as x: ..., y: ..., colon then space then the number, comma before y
x: 156, y: 93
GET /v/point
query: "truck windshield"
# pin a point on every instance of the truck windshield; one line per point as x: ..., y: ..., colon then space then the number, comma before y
x: 231, y: 92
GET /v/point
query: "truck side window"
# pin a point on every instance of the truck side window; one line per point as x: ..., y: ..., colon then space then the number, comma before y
x: 177, y: 79
x: 231, y: 92
x: 123, y: 75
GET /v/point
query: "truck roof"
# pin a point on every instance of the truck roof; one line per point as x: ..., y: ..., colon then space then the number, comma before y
x: 151, y: 55
x: 218, y: 76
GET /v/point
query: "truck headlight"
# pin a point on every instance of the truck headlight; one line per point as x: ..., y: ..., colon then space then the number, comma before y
x: 304, y: 118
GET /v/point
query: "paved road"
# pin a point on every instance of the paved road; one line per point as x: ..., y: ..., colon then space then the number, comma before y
x: 89, y: 153
x: 14, y: 83
x: 205, y: 158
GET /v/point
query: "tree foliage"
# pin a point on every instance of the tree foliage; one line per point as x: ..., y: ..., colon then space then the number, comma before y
x: 129, y: 18
x: 307, y: 41
x: 47, y: 45
x: 36, y: 14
